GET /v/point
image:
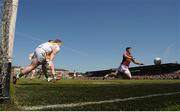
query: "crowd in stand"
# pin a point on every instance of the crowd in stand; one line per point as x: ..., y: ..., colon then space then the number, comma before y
x: 169, y: 76
x: 150, y: 76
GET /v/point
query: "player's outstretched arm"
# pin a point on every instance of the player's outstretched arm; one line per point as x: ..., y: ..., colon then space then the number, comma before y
x: 137, y: 62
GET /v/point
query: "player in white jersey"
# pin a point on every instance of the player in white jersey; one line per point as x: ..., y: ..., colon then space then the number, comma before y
x: 43, y: 55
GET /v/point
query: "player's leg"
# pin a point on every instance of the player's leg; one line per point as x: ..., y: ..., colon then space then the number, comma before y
x: 114, y: 74
x: 52, y: 68
x: 110, y: 75
x: 39, y: 73
x: 51, y: 65
x: 45, y: 69
x: 27, y: 69
x: 33, y: 74
x: 106, y: 76
x: 119, y: 72
x: 52, y: 71
x: 124, y: 72
x: 128, y: 74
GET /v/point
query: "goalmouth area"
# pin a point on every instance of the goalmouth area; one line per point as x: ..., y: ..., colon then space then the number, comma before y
x: 95, y: 95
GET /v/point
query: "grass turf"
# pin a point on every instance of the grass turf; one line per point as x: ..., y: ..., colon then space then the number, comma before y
x: 39, y: 92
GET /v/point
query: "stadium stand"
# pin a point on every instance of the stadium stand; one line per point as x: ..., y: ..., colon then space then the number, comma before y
x: 163, y: 71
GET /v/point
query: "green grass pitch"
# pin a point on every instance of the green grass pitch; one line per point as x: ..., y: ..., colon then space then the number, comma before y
x: 28, y: 93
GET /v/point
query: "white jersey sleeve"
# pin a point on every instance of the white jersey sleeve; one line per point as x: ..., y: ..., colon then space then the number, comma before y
x: 46, y: 47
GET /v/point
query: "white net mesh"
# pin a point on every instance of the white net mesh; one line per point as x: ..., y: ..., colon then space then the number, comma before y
x: 5, y: 15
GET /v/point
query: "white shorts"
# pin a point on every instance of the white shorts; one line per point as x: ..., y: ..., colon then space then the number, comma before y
x: 40, y: 54
x: 124, y: 69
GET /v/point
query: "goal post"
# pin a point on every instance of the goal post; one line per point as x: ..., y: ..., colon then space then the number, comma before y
x: 8, y: 15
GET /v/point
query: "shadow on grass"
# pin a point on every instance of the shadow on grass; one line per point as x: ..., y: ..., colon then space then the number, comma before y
x: 32, y: 84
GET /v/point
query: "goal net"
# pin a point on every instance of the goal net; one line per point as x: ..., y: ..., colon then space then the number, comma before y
x: 8, y: 11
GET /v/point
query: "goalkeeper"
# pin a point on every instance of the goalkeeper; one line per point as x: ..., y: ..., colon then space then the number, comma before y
x: 44, y: 54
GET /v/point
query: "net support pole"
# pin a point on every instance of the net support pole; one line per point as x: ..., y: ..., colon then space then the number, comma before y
x: 12, y: 28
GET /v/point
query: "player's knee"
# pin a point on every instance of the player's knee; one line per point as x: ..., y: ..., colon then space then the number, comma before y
x: 129, y: 77
x: 128, y: 74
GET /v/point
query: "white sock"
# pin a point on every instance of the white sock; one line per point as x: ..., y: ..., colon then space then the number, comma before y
x: 106, y: 76
x: 17, y: 76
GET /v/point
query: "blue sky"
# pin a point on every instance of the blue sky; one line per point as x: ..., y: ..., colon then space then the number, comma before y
x: 96, y: 32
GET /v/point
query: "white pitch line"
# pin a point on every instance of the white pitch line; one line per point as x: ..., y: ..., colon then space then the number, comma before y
x: 97, y: 102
